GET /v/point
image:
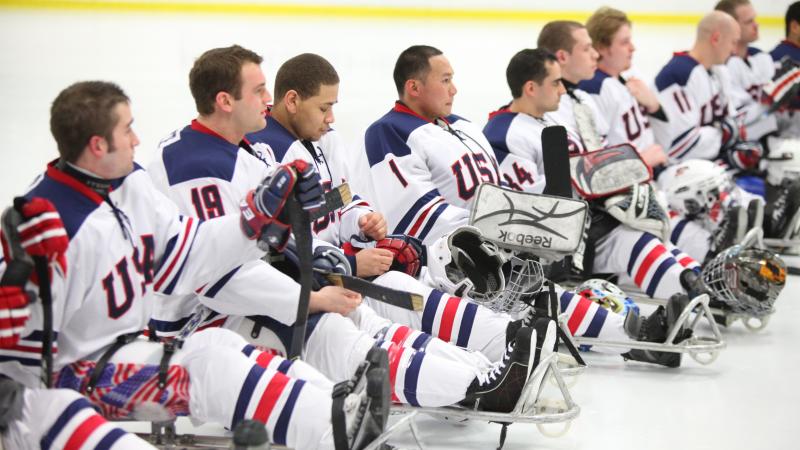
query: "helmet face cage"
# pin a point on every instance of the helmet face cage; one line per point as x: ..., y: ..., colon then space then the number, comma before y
x: 748, y: 280
x: 523, y: 278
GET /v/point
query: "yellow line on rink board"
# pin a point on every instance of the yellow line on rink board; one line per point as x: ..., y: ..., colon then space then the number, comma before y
x: 349, y: 12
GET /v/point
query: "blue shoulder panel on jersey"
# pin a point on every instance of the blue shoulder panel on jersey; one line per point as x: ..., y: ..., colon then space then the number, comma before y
x: 496, y: 130
x: 677, y: 71
x: 784, y: 49
x: 593, y: 86
x: 73, y: 206
x: 276, y: 136
x: 389, y: 135
x: 753, y: 51
x: 199, y: 155
x: 452, y: 118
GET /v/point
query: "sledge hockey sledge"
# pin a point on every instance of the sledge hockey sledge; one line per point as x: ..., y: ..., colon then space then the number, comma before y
x: 703, y: 349
x: 723, y: 274
x: 530, y: 407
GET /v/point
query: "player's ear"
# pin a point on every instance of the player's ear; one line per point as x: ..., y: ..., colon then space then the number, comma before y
x: 562, y: 56
x: 223, y: 101
x: 291, y: 101
x: 412, y: 87
x: 529, y: 88
x: 97, y: 146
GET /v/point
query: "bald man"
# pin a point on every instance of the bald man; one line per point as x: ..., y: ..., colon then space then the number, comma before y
x: 690, y: 91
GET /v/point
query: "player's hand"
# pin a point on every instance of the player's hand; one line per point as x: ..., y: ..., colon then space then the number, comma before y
x: 262, y: 209
x: 41, y: 232
x: 373, y: 225
x: 654, y: 155
x: 14, y: 313
x: 371, y: 262
x: 408, y: 253
x: 309, y: 191
x: 334, y: 299
x: 642, y: 94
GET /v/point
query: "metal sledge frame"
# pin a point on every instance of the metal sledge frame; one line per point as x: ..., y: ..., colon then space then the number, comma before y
x: 529, y: 408
x: 695, y: 346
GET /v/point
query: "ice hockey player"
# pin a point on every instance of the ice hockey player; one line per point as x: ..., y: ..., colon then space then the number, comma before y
x: 127, y: 241
x: 701, y: 121
x: 783, y: 54
x: 748, y: 71
x: 625, y: 102
x: 424, y: 371
x: 532, y: 76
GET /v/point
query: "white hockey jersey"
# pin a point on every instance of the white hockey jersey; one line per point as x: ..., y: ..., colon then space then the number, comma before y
x: 747, y: 77
x: 122, y: 247
x: 788, y: 121
x: 565, y: 116
x: 326, y: 155
x: 627, y: 120
x: 207, y: 176
x: 423, y: 175
x: 516, y: 139
x: 692, y: 100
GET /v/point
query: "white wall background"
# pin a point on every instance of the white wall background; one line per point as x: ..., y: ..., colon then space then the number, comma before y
x: 149, y: 55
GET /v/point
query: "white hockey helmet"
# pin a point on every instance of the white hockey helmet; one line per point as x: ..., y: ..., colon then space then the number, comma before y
x: 694, y: 187
x: 465, y: 264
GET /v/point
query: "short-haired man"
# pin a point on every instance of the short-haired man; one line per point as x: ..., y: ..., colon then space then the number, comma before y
x: 699, y: 116
x: 625, y: 102
x: 424, y: 163
x: 569, y: 41
x: 536, y: 88
x: 100, y: 298
x: 644, y: 257
x: 749, y: 70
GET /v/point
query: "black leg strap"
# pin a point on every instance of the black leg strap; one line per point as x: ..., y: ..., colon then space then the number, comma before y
x: 101, y: 363
x: 553, y: 310
x: 163, y: 367
x: 338, y: 419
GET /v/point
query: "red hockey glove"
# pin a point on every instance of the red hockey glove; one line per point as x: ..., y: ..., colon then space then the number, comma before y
x: 14, y: 313
x: 42, y: 232
x: 408, y: 252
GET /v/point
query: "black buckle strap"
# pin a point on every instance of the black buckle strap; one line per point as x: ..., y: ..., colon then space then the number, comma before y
x: 100, y: 365
x: 338, y: 419
x: 548, y: 306
x: 170, y: 347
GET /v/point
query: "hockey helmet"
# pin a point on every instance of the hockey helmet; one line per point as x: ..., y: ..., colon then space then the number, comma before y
x: 748, y: 280
x: 606, y: 294
x: 695, y: 188
x: 465, y: 264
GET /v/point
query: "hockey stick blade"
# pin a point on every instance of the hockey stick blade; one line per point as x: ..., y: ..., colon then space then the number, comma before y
x: 555, y: 152
x: 400, y: 299
x: 334, y: 199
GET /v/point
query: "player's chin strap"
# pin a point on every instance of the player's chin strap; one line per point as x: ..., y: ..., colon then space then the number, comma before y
x: 548, y: 306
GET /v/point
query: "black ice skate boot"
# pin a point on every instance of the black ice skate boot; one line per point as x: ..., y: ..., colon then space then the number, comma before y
x: 360, y: 407
x: 655, y: 328
x: 250, y: 435
x: 499, y: 389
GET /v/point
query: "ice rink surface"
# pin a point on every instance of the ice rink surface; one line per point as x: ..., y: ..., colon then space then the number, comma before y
x: 748, y: 399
